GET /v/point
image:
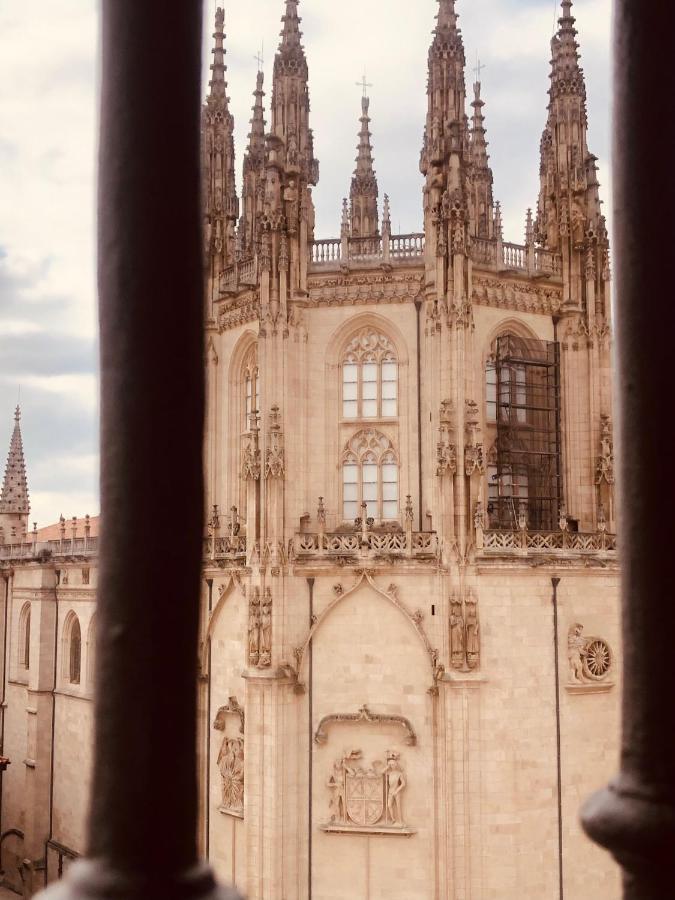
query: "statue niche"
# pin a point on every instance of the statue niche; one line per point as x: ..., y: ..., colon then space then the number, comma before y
x: 230, y: 761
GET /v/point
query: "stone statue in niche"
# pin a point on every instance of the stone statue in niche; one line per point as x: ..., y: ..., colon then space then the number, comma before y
x: 265, y: 657
x: 472, y: 631
x: 254, y: 623
x: 456, y: 634
x: 366, y: 798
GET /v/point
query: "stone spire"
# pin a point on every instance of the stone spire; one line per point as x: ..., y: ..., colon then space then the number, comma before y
x: 446, y: 155
x: 221, y: 206
x: 481, y: 179
x: 363, y: 192
x: 14, y: 502
x: 569, y: 218
x: 254, y: 170
x: 290, y: 171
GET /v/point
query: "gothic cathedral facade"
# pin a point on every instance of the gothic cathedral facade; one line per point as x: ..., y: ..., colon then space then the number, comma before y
x: 410, y: 645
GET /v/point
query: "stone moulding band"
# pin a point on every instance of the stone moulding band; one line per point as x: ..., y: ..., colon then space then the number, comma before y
x: 365, y: 715
x: 374, y: 829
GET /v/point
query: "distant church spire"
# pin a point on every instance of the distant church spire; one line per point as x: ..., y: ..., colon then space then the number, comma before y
x: 363, y: 193
x: 14, y: 502
x: 221, y: 206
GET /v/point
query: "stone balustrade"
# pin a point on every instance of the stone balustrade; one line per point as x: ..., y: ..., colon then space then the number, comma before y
x: 227, y: 547
x: 525, y: 542
x: 29, y: 550
x: 371, y: 544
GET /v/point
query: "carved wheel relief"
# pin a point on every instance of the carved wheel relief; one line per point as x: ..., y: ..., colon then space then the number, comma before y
x: 590, y: 658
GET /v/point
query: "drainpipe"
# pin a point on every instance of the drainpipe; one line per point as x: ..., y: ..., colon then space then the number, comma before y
x: 51, y: 755
x: 554, y: 583
x: 418, y: 308
x: 207, y: 804
x: 310, y: 685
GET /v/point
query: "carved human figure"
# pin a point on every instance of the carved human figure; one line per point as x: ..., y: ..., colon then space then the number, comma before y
x: 254, y: 624
x: 576, y: 651
x: 395, y: 782
x: 457, y: 635
x: 266, y: 630
x: 472, y: 632
x: 336, y: 783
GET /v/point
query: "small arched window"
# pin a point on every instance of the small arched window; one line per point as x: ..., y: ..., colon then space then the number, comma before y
x: 369, y: 377
x: 24, y: 636
x: 251, y: 382
x: 370, y: 475
x: 91, y: 651
x: 72, y: 649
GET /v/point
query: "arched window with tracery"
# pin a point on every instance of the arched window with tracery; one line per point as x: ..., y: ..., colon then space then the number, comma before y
x: 369, y: 377
x: 24, y: 636
x: 370, y: 475
x: 72, y: 649
x: 251, y: 384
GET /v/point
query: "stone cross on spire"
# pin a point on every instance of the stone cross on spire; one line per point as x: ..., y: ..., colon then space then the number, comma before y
x: 14, y: 502
x: 364, y: 191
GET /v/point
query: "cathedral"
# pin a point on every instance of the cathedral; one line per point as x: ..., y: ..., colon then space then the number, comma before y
x: 409, y: 656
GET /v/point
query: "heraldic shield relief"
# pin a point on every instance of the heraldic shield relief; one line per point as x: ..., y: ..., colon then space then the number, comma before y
x: 366, y: 798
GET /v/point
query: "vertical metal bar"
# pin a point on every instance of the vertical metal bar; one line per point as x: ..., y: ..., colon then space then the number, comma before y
x: 143, y: 816
x: 635, y: 816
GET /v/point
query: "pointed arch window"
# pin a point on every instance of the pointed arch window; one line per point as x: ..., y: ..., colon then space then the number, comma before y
x: 369, y: 377
x: 251, y: 382
x: 24, y: 636
x: 72, y: 649
x: 370, y: 475
x: 91, y: 651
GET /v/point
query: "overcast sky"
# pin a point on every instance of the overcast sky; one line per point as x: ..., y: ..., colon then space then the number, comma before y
x: 47, y: 153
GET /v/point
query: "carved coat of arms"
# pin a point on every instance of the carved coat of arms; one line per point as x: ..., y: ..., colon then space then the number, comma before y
x: 365, y: 797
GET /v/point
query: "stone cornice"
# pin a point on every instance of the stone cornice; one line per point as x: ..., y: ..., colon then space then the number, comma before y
x: 521, y: 296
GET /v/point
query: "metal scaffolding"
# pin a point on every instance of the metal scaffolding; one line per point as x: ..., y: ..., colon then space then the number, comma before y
x: 525, y: 476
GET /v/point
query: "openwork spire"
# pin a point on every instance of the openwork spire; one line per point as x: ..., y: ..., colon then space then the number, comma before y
x: 567, y: 76
x: 14, y: 496
x: 482, y: 179
x: 290, y: 58
x: 221, y: 206
x: 363, y: 192
x: 253, y: 172
x: 445, y: 127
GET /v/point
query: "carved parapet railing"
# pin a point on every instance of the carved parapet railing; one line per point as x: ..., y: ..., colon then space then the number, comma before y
x: 365, y: 248
x: 514, y: 256
x: 406, y: 246
x: 506, y: 256
x: 484, y: 252
x: 373, y: 544
x: 547, y: 263
x: 525, y: 542
x: 225, y: 548
x: 396, y: 249
x: 25, y: 550
x: 326, y: 251
x: 242, y: 273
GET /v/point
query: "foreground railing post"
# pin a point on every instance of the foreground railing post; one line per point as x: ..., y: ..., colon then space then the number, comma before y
x: 142, y: 826
x: 635, y: 816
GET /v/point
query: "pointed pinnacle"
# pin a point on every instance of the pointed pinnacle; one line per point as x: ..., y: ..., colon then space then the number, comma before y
x: 14, y: 495
x: 447, y: 17
x: 290, y: 33
x: 217, y: 84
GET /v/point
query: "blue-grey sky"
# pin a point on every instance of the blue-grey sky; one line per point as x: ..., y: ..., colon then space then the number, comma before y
x: 48, y: 78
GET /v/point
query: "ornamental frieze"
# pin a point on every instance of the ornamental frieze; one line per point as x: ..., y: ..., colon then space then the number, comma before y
x: 519, y: 296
